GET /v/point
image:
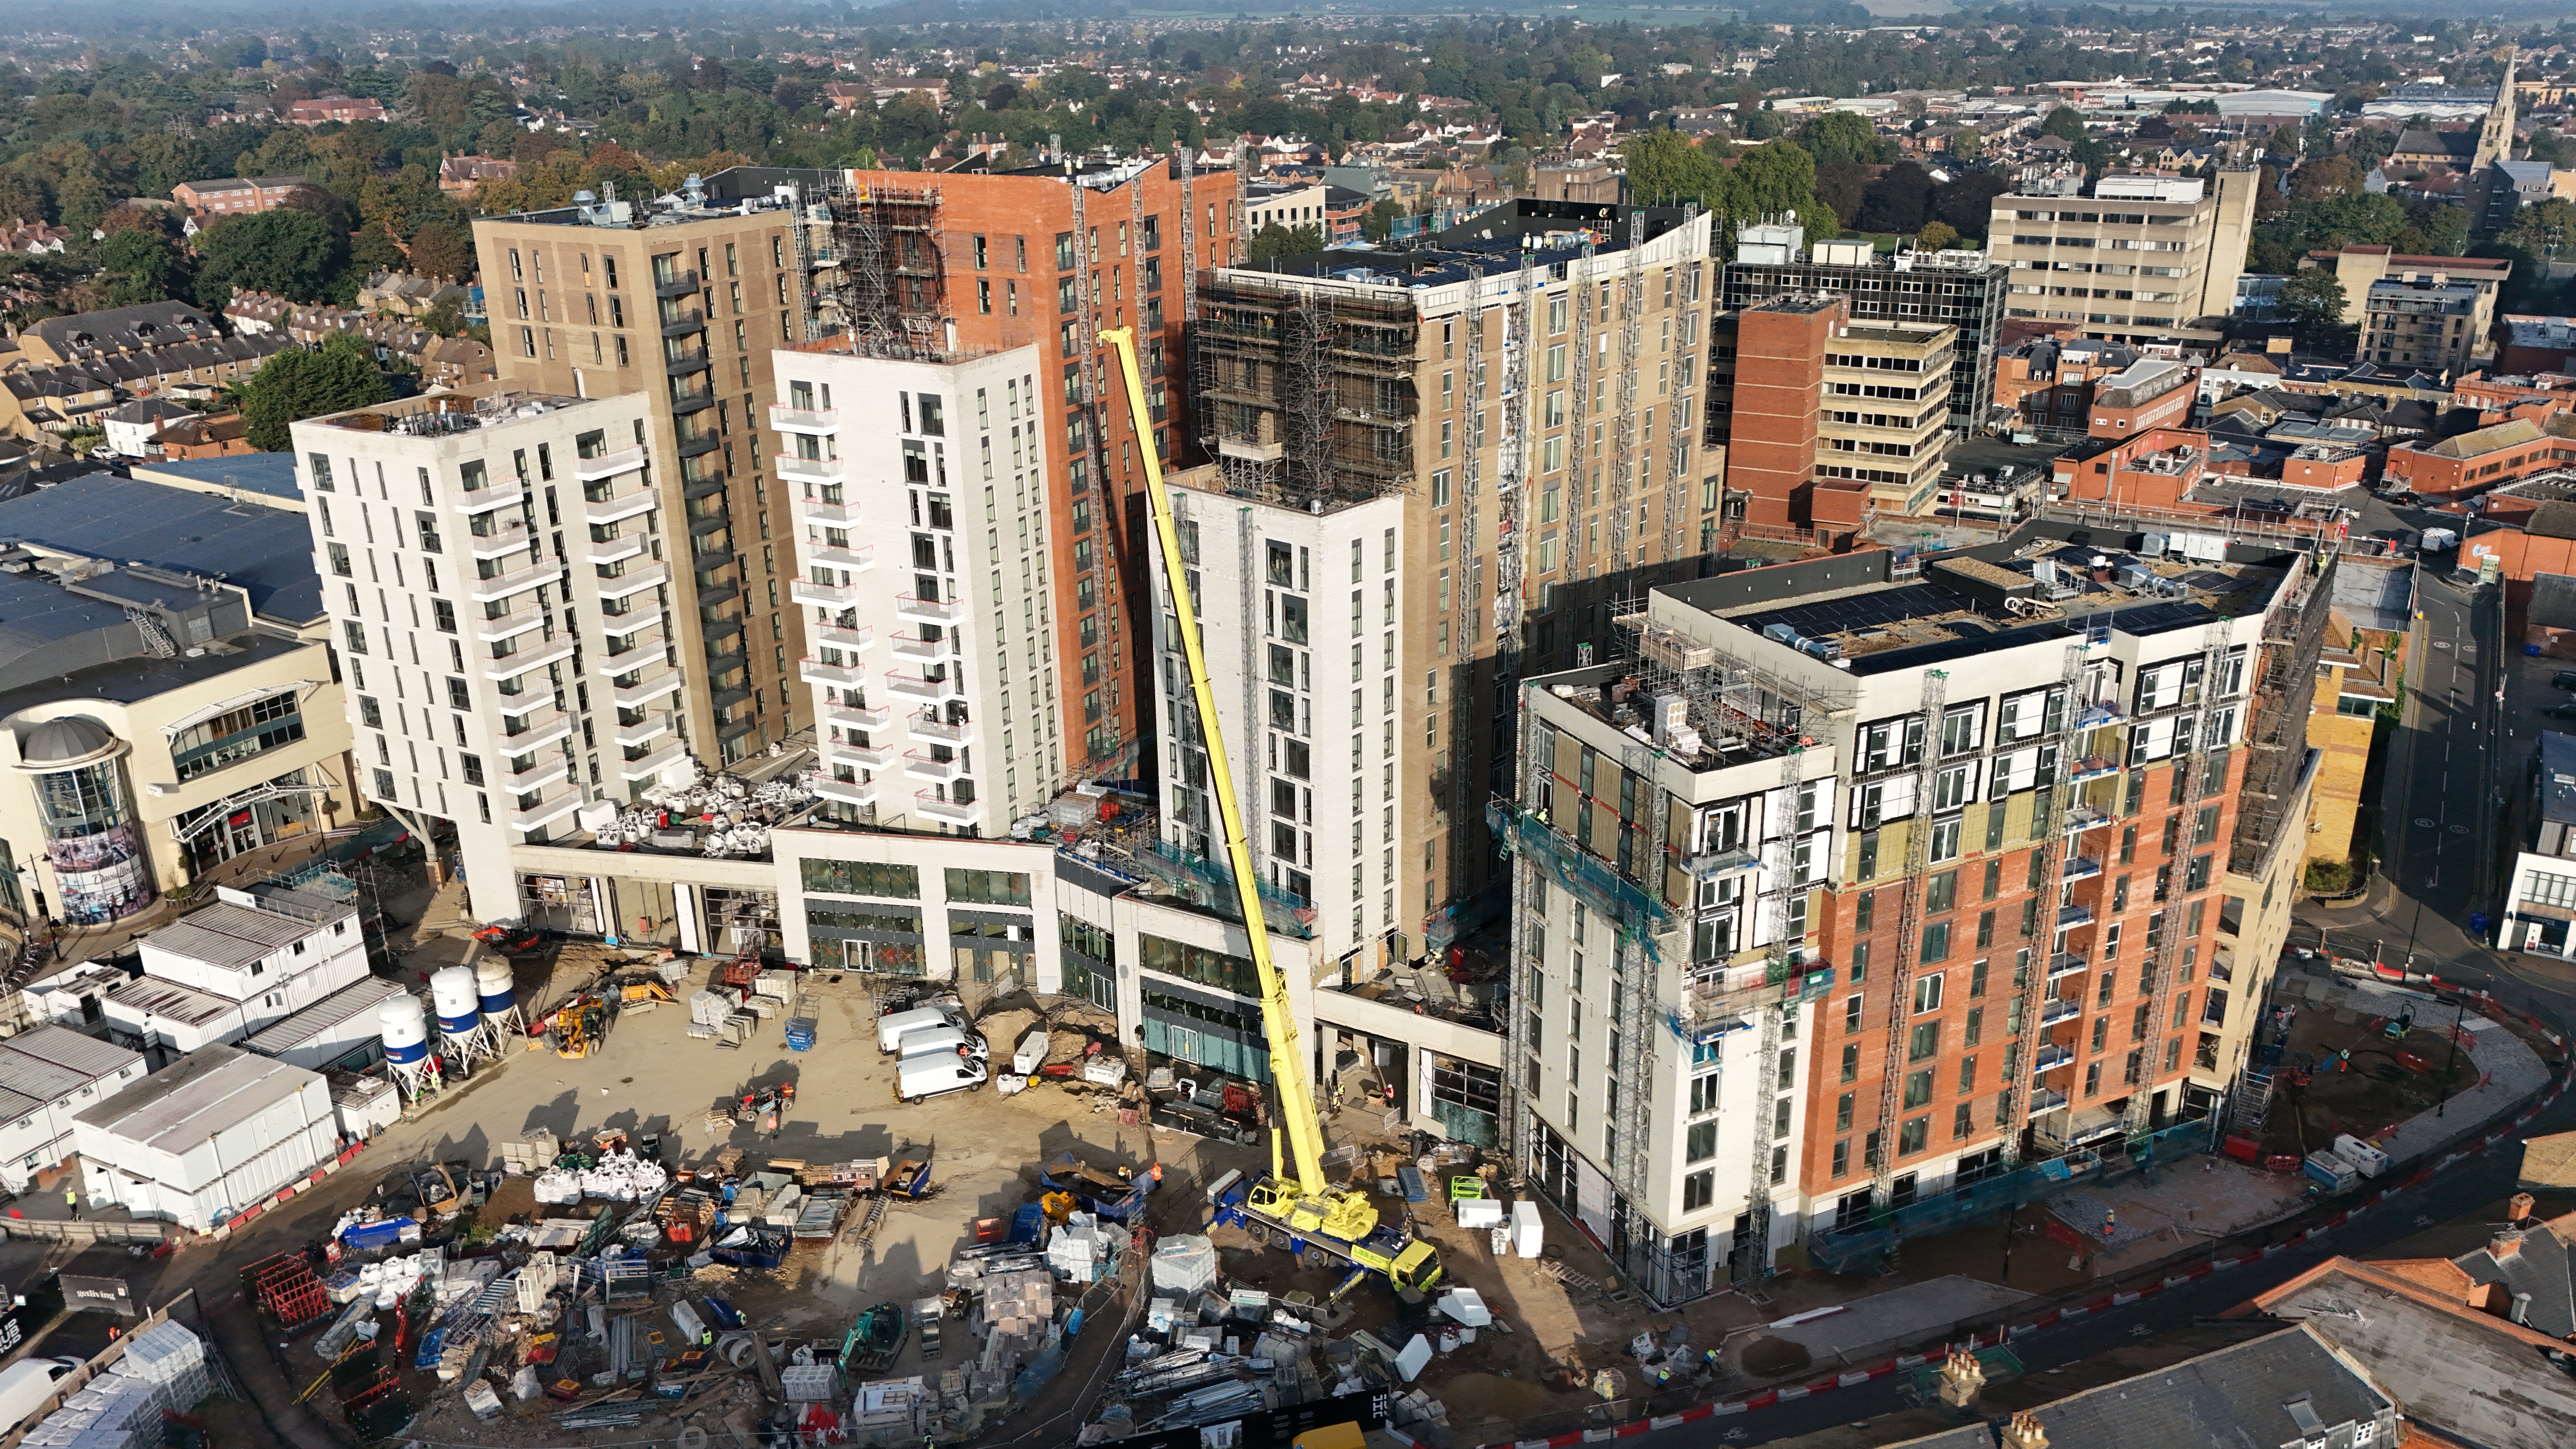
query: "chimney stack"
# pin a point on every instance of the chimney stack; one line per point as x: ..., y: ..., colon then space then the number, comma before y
x: 2518, y: 1210
x: 2506, y: 1242
x: 1961, y: 1378
x: 2023, y: 1432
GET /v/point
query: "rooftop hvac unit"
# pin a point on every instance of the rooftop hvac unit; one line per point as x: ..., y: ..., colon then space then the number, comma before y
x: 2152, y: 546
x: 2136, y: 579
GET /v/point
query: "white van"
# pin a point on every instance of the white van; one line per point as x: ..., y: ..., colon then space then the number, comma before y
x: 929, y: 1074
x: 945, y: 1039
x: 892, y: 1026
x: 26, y: 1384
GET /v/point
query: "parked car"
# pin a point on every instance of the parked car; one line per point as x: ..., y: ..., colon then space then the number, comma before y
x: 2560, y: 711
x: 2563, y: 679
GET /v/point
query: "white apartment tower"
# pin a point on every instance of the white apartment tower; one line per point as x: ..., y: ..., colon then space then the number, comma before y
x: 494, y: 569
x: 921, y: 552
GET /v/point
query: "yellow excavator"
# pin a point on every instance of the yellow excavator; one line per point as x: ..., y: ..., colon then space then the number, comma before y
x: 1303, y: 1213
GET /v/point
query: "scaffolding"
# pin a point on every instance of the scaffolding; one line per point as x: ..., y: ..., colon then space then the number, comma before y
x: 1512, y: 475
x: 1678, y: 425
x: 1923, y: 739
x: 2171, y: 924
x: 1306, y: 393
x: 892, y: 275
x: 1188, y: 231
x: 2276, y: 733
x: 2059, y: 817
x: 1623, y: 432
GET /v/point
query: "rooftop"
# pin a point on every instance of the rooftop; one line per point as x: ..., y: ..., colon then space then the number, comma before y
x: 1548, y: 233
x: 208, y: 1091
x: 445, y: 414
x: 234, y: 936
x: 267, y: 552
x: 270, y: 475
x: 2558, y: 778
x: 2040, y: 585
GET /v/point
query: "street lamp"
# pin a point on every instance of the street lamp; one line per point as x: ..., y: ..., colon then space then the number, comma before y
x: 2449, y: 1066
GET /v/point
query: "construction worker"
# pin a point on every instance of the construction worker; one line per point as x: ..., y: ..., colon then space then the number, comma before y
x: 71, y: 1203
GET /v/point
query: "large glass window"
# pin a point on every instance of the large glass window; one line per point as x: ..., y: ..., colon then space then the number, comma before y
x: 1198, y: 963
x: 989, y: 887
x: 862, y: 878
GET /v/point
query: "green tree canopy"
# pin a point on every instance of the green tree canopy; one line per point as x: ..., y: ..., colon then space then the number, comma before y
x: 292, y: 253
x: 1275, y: 241
x: 1839, y: 136
x: 2065, y: 122
x: 2313, y: 300
x: 139, y: 265
x: 1667, y: 168
x: 295, y: 385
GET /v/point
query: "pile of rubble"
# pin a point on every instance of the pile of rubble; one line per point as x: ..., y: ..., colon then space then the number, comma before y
x: 737, y: 814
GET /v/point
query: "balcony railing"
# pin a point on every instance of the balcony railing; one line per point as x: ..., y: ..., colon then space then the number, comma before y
x: 547, y: 811
x: 633, y: 651
x: 610, y: 464
x: 857, y: 560
x: 2046, y: 1100
x: 2058, y: 1008
x: 2079, y: 867
x: 2091, y: 767
x: 803, y: 420
x: 652, y: 764
x: 844, y: 637
x: 938, y: 731
x: 866, y: 757
x: 537, y: 776
x: 934, y: 691
x: 822, y: 596
x: 513, y: 665
x: 503, y: 585
x: 677, y: 284
x: 649, y: 727
x: 856, y: 717
x: 2049, y: 1059
x: 829, y: 515
x: 925, y: 651
x: 618, y: 549
x: 2078, y: 914
x: 820, y: 470
x: 928, y: 611
x: 2081, y: 818
x: 814, y: 671
x: 500, y: 493
x: 634, y: 581
x: 620, y: 508
x: 540, y: 730
x: 517, y: 621
x: 925, y: 803
x: 509, y: 538
x: 2066, y: 963
x: 847, y: 792
x: 647, y: 690
x: 922, y: 767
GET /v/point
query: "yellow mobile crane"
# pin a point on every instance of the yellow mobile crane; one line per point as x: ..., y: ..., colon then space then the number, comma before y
x: 1304, y: 1210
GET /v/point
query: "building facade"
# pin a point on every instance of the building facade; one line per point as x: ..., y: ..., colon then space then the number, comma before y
x: 2424, y: 321
x: 500, y: 578
x: 2143, y: 259
x: 1829, y: 421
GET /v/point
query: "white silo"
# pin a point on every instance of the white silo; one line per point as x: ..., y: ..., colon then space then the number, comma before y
x: 460, y: 1014
x: 496, y: 990
x: 405, y: 1029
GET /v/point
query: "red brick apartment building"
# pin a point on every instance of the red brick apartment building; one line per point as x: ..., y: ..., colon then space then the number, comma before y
x: 1052, y: 254
x: 2498, y: 453
x: 326, y: 109
x: 234, y: 195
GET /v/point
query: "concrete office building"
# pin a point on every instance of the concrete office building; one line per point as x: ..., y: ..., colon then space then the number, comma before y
x: 2043, y: 917
x: 940, y: 702
x: 2425, y: 321
x: 678, y: 306
x: 2144, y: 259
x: 1523, y: 393
x: 1829, y: 422
x: 1963, y: 289
x: 498, y: 570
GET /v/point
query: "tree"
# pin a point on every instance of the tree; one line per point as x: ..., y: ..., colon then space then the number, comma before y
x: 295, y: 385
x: 1839, y: 136
x: 1763, y: 125
x: 2313, y: 300
x: 2543, y: 228
x: 1897, y: 200
x: 1967, y: 203
x: 1274, y: 241
x: 2321, y: 176
x: 446, y: 317
x: 137, y: 265
x: 440, y: 250
x: 1380, y: 222
x: 1666, y: 168
x: 2066, y: 123
x: 1841, y: 184
x: 1936, y: 236
x: 292, y: 253
x: 1771, y: 180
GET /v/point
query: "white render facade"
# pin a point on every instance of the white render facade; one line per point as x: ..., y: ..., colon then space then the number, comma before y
x: 1301, y: 618
x: 921, y: 554
x: 495, y: 571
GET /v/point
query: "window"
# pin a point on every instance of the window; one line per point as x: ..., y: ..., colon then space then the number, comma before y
x: 1936, y: 942
x: 1923, y: 1042
x: 861, y: 878
x: 1701, y: 1142
x: 1912, y: 1134
x: 989, y: 887
x: 1843, y: 1112
x: 1927, y: 993
x: 1851, y: 1054
x: 1918, y: 1088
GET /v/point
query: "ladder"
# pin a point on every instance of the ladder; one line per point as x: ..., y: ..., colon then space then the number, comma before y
x: 1909, y: 924
x: 2253, y: 1105
x: 2055, y: 844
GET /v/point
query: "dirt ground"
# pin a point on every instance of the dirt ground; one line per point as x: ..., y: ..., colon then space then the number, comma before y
x: 2372, y: 1090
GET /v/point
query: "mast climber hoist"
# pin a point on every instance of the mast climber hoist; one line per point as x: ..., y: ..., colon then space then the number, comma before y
x: 1304, y: 1211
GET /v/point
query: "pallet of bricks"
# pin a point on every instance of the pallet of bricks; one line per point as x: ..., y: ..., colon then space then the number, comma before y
x: 537, y: 1154
x: 162, y: 1372
x: 1018, y: 1313
x: 714, y: 1017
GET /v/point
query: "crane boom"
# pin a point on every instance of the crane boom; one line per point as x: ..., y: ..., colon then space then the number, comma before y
x: 1305, y: 1130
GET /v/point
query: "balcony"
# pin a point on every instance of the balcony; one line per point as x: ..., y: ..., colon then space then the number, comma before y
x: 509, y: 538
x: 651, y: 726
x: 675, y: 284
x: 547, y: 811
x: 822, y: 596
x: 536, y: 777
x: 803, y: 420
x: 698, y: 445
x: 933, y: 730
x: 855, y: 717
x: 633, y: 651
x: 2058, y: 1008
x: 633, y: 621
x: 517, y: 621
x: 2092, y: 713
x: 829, y: 515
x: 2079, y: 867
x: 679, y: 364
x: 924, y: 803
x: 929, y: 691
x: 2045, y: 1101
x: 610, y: 464
x: 684, y: 324
x: 866, y: 757
x: 840, y: 676
x: 692, y: 400
x: 922, y: 767
x: 503, y: 585
x: 2081, y: 818
x: 538, y: 731
x: 842, y: 556
x: 652, y: 764
x: 927, y: 611
x: 2066, y: 963
x: 618, y: 549
x: 819, y: 470
x: 514, y: 665
x: 847, y: 792
x: 710, y: 558
x: 647, y: 690
x: 620, y: 508
x: 2078, y: 914
x: 1719, y: 862
x: 926, y: 651
x: 2049, y: 1059
x: 851, y: 638
x: 634, y: 581
x: 2092, y: 767
x: 501, y: 493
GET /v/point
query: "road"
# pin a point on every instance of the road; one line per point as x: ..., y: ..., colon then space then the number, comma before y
x: 2439, y: 789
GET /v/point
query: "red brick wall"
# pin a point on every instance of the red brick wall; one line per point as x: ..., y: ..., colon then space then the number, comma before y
x: 1779, y: 384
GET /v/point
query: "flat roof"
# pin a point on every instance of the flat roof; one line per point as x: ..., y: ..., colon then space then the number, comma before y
x: 206, y: 1092
x: 168, y: 1000
x: 58, y: 1061
x: 2557, y: 775
x: 358, y: 998
x: 228, y: 935
x: 267, y: 551
x: 269, y: 475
